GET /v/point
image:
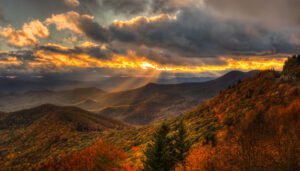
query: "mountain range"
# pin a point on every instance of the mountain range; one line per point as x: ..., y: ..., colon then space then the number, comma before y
x: 252, y: 123
x: 137, y: 106
x: 23, y: 83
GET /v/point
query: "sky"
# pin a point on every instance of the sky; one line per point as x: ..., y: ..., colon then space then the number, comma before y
x: 146, y: 38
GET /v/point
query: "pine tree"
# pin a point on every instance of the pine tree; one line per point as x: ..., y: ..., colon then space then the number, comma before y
x: 180, y: 144
x: 167, y: 151
x: 158, y: 153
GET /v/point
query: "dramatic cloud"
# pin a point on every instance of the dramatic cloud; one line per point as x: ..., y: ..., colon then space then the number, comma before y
x: 131, y: 7
x: 163, y: 6
x: 2, y: 17
x: 28, y: 35
x: 72, y: 3
x: 57, y: 58
x: 278, y: 13
x: 126, y: 6
x: 200, y: 33
x: 81, y: 24
x: 9, y: 61
x: 189, y: 36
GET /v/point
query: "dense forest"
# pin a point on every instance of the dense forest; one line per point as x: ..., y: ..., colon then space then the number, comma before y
x: 252, y: 125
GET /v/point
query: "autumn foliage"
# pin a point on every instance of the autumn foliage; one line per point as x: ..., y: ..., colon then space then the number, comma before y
x: 259, y: 128
x: 100, y: 156
x: 253, y: 125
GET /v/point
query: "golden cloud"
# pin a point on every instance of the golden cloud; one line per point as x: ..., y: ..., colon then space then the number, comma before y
x: 72, y: 3
x: 143, y: 19
x: 88, y: 44
x: 10, y: 61
x: 69, y: 21
x: 59, y: 61
x: 28, y: 35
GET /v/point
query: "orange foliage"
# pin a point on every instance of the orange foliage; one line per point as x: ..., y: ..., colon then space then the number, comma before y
x: 268, y: 141
x: 198, y: 159
x: 100, y: 156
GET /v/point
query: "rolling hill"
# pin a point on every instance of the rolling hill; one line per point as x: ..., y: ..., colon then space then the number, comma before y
x: 28, y: 136
x: 157, y: 101
x: 138, y: 106
x: 253, y: 125
x: 19, y: 101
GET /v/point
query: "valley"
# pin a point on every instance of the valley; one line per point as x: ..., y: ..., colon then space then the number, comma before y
x: 138, y: 106
x: 248, y: 117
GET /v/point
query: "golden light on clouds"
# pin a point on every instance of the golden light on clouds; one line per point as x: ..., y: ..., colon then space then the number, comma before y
x: 68, y: 21
x: 10, y: 61
x: 72, y: 3
x: 143, y: 19
x: 131, y: 61
x: 28, y: 35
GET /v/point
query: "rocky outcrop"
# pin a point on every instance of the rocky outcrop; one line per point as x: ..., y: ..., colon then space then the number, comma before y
x: 291, y: 69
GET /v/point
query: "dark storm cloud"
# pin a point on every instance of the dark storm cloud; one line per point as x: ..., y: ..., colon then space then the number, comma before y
x: 219, y: 28
x: 21, y: 54
x: 2, y: 16
x: 20, y: 11
x: 31, y: 61
x: 197, y: 32
x: 162, y: 6
x: 80, y: 24
x: 95, y: 51
x: 170, y: 6
x: 126, y: 6
x: 278, y: 13
x: 141, y: 6
x: 93, y: 30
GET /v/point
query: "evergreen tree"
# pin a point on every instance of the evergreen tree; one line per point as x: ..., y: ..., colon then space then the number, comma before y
x: 167, y: 151
x: 180, y: 144
x: 158, y: 153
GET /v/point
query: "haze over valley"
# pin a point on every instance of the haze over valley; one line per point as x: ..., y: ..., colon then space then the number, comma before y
x: 149, y: 85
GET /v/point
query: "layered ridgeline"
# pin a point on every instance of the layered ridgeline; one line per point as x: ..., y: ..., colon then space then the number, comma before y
x: 252, y: 125
x: 24, y: 83
x: 137, y: 106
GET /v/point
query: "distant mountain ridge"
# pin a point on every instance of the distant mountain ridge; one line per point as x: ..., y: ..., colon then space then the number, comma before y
x: 159, y: 101
x: 21, y: 84
x: 138, y: 106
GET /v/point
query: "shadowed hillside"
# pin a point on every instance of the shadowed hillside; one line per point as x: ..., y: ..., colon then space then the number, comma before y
x: 32, y: 135
x: 138, y: 106
x: 157, y: 101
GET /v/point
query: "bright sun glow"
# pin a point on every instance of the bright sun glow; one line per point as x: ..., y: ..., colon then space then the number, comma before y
x: 131, y: 61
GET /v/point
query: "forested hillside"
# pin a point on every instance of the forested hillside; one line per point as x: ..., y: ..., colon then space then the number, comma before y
x: 30, y: 136
x: 251, y: 125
